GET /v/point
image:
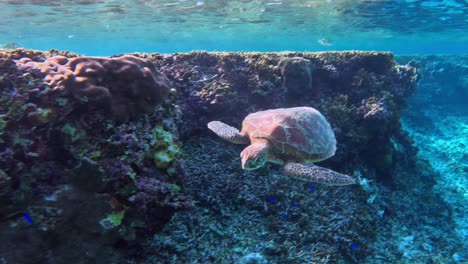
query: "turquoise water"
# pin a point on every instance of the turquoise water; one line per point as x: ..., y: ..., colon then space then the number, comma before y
x: 106, y: 27
x: 420, y: 218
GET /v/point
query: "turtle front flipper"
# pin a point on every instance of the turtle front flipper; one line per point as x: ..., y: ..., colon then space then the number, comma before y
x: 314, y: 173
x: 227, y: 132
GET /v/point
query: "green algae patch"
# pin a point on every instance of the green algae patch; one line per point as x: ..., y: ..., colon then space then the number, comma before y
x: 74, y: 133
x: 175, y: 188
x: 113, y: 220
x: 116, y: 218
x: 165, y: 149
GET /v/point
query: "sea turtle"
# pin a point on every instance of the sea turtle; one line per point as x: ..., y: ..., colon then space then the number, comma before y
x: 293, y: 137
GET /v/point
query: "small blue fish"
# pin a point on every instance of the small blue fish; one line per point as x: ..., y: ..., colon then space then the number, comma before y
x: 296, y: 205
x: 285, y: 217
x: 272, y: 199
x: 27, y: 218
x: 312, y: 188
x: 353, y: 246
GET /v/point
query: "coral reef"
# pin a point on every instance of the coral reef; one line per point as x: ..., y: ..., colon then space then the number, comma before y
x: 261, y: 213
x: 79, y: 174
x: 264, y: 214
x: 297, y: 77
x: 445, y: 79
x: 360, y: 93
x: 125, y: 86
x: 107, y: 174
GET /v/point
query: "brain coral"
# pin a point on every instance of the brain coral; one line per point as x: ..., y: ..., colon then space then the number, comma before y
x: 122, y: 86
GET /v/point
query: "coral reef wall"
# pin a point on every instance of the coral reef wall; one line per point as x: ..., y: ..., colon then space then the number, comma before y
x: 98, y: 154
x: 71, y: 164
x: 265, y: 217
x: 360, y: 93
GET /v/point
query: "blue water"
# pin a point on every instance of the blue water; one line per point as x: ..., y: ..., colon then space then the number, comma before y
x: 106, y: 27
x: 436, y: 116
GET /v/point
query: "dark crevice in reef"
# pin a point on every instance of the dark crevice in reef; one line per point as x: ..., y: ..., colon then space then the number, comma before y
x: 106, y: 152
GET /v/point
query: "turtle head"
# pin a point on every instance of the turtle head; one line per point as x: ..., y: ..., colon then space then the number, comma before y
x: 254, y: 156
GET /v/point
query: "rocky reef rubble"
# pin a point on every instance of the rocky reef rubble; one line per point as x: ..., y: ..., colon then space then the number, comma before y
x: 87, y: 180
x: 92, y: 151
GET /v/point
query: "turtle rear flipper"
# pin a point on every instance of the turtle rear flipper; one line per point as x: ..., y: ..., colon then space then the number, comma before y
x: 227, y: 132
x: 314, y: 173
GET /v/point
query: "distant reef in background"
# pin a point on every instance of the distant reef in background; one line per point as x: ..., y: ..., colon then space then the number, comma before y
x: 437, y: 120
x: 108, y: 160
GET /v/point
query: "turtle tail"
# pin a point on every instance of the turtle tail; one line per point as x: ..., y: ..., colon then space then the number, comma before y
x: 314, y: 173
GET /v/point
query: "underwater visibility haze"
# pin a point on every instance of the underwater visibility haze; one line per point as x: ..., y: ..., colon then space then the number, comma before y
x: 107, y: 27
x: 247, y: 131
